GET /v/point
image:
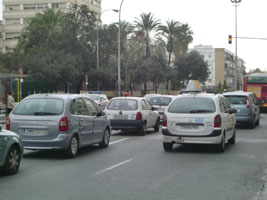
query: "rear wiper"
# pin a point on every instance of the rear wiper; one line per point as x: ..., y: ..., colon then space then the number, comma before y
x: 44, y: 113
x: 200, y: 111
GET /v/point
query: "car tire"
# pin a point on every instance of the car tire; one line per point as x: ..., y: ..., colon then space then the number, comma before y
x: 252, y: 124
x: 73, y: 147
x: 258, y: 122
x: 106, y: 138
x: 167, y: 146
x: 156, y: 127
x: 12, y: 161
x: 233, y: 138
x: 221, y: 147
x: 143, y: 129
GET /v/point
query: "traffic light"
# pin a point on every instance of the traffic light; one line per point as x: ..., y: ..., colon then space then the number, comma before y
x: 230, y: 39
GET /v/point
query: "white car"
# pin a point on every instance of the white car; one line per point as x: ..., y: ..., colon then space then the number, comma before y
x: 199, y: 118
x: 100, y: 99
x: 132, y: 113
x: 161, y: 103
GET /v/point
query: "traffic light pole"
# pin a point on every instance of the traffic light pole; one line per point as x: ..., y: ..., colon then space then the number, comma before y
x: 236, y: 61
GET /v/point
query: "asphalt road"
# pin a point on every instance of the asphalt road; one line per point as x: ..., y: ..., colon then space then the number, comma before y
x: 136, y: 167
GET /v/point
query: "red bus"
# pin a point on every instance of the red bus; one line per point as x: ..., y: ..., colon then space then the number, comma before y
x: 257, y: 83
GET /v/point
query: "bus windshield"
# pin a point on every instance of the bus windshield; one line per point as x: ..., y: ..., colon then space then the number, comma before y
x: 259, y: 78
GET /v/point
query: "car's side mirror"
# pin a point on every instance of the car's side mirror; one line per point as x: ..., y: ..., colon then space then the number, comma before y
x: 101, y: 113
x: 232, y: 110
x: 154, y: 108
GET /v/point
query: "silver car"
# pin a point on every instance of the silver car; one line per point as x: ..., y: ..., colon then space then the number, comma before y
x: 59, y: 121
x: 100, y: 99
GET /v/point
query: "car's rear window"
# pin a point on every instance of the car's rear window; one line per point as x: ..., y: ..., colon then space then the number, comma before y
x: 39, y: 107
x: 123, y: 104
x: 192, y: 105
x: 160, y: 101
x: 237, y: 100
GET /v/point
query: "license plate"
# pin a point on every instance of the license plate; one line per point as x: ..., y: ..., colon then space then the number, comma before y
x: 180, y: 140
x: 34, y: 132
x: 191, y: 126
x: 120, y: 116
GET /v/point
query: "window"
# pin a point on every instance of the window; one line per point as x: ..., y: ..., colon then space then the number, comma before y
x: 55, y: 5
x: 12, y: 21
x: 160, y: 101
x: 192, y: 105
x: 29, y: 6
x: 237, y: 100
x: 91, y: 107
x: 12, y: 7
x: 148, y: 104
x: 123, y: 104
x: 144, y: 106
x: 11, y: 36
x: 81, y: 107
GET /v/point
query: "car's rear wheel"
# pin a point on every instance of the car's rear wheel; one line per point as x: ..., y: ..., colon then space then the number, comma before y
x: 258, y: 122
x: 252, y: 124
x: 12, y: 161
x: 73, y: 147
x: 106, y: 138
x: 221, y: 147
x: 143, y: 129
x: 156, y: 127
x: 167, y: 146
x: 233, y: 138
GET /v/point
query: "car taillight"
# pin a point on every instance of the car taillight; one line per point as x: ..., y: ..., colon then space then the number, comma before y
x: 248, y: 106
x: 8, y: 123
x: 139, y: 116
x: 164, y: 122
x: 217, y: 121
x: 63, y: 124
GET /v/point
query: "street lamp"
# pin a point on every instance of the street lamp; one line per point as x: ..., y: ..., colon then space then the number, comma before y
x: 119, y: 51
x: 236, y: 3
x: 97, y: 39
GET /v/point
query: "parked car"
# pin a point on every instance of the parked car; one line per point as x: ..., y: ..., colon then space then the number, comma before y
x: 100, y: 99
x: 132, y: 113
x: 59, y: 121
x: 199, y: 118
x: 247, y: 106
x: 149, y: 96
x: 11, y: 151
x: 161, y: 103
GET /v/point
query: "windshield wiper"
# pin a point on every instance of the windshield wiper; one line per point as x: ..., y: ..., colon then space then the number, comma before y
x: 44, y: 113
x: 200, y: 111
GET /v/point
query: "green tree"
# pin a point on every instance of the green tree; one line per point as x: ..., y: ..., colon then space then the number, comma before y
x: 183, y: 38
x: 192, y: 66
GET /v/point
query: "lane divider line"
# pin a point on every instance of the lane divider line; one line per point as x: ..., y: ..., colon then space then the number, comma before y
x: 113, y: 167
x: 117, y: 141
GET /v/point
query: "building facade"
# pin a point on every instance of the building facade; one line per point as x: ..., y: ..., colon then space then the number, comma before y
x: 221, y: 66
x: 17, y: 13
x: 1, y: 35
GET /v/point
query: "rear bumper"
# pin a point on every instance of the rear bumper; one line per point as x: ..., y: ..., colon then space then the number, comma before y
x: 60, y: 142
x: 243, y: 119
x: 126, y: 124
x: 214, y: 138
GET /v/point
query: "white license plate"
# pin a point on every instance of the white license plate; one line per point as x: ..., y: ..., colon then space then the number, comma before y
x: 120, y: 116
x: 191, y: 126
x: 34, y: 132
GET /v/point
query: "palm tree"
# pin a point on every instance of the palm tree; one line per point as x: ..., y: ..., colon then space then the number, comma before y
x: 183, y: 37
x: 169, y: 31
x: 147, y: 24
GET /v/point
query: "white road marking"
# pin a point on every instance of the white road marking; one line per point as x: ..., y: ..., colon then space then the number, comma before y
x: 117, y: 141
x: 113, y: 166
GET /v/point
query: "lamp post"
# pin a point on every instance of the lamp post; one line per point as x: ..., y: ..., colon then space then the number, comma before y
x: 97, y: 39
x: 236, y: 3
x: 119, y: 51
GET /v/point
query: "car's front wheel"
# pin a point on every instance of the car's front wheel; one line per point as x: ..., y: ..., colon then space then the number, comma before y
x: 12, y: 161
x: 167, y: 146
x: 106, y: 138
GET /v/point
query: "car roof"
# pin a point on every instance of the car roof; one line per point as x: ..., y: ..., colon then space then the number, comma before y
x: 133, y: 98
x: 55, y: 95
x: 162, y: 95
x: 199, y: 95
x: 237, y: 93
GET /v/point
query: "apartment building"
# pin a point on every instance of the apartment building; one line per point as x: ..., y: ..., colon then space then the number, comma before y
x: 17, y: 13
x: 221, y: 65
x: 1, y: 35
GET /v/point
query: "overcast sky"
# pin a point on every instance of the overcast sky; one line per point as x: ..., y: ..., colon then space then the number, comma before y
x: 210, y: 20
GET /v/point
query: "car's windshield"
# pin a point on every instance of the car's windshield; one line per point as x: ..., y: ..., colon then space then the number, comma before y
x: 237, y: 100
x: 123, y: 104
x: 42, y: 106
x: 160, y: 101
x: 192, y: 105
x: 94, y: 97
